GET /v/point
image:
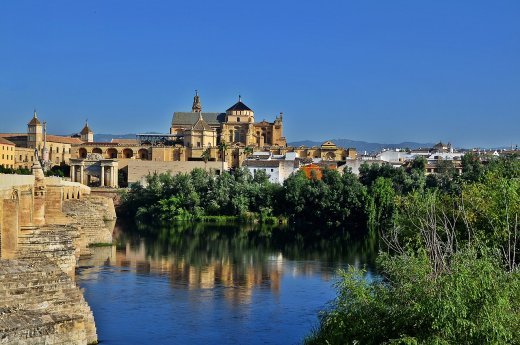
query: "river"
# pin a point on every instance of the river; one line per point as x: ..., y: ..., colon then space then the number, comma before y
x: 214, y: 284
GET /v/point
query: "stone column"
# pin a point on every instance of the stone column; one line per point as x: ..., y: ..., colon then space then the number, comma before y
x: 9, y: 241
x: 116, y: 177
x: 108, y: 181
x: 73, y: 173
x: 26, y: 208
x: 102, y: 176
x: 81, y: 177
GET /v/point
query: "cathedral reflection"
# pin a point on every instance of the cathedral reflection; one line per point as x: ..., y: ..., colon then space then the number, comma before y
x: 237, y: 260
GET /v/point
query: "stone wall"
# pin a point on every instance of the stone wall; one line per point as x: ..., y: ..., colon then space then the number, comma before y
x: 138, y: 169
x: 45, y: 223
x: 91, y: 213
x: 40, y: 304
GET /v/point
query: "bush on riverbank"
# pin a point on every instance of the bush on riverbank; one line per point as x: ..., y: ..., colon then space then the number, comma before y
x: 199, y: 195
x: 450, y: 270
x: 474, y: 301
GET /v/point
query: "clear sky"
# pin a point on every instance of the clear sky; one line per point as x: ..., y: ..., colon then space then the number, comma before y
x: 384, y: 71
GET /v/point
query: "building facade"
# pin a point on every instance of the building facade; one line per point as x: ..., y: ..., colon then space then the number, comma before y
x: 227, y: 138
x: 7, y: 153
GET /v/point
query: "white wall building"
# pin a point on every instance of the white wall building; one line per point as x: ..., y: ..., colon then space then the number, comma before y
x: 277, y: 167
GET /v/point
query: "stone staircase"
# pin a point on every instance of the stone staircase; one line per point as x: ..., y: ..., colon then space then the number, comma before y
x: 90, y: 214
x: 58, y: 243
x: 40, y: 304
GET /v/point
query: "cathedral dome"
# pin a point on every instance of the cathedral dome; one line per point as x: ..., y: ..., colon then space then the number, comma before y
x: 239, y: 106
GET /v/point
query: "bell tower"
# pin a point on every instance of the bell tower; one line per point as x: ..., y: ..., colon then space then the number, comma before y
x: 197, y: 106
x: 34, y: 132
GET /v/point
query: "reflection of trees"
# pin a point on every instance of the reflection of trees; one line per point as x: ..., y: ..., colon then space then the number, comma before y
x: 239, y: 257
x: 234, y: 260
x: 200, y: 244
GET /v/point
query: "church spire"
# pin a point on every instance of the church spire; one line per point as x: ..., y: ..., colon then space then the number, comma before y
x: 197, y: 107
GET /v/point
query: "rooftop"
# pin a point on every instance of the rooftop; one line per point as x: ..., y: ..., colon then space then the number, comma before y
x: 4, y: 141
x: 189, y: 119
x: 238, y: 106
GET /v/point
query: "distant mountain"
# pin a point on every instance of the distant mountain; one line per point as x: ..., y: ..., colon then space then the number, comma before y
x: 104, y: 138
x: 362, y: 146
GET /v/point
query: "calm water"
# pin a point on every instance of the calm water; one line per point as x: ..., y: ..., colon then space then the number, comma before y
x: 208, y: 284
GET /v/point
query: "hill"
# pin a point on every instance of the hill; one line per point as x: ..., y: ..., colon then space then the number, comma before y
x: 362, y: 146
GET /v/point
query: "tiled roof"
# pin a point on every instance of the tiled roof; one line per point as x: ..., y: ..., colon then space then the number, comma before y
x: 50, y: 138
x: 86, y: 130
x: 34, y: 121
x: 4, y: 141
x: 9, y: 135
x: 125, y: 141
x: 239, y: 106
x: 63, y: 140
x: 262, y: 163
x: 189, y: 118
x: 201, y: 125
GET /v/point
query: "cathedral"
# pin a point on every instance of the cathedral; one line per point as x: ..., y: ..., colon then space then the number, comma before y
x: 209, y: 140
x: 235, y: 127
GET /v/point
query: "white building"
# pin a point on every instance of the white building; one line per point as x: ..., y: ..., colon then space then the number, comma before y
x: 277, y: 167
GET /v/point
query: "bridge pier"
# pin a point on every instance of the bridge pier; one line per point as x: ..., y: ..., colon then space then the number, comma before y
x: 10, y: 227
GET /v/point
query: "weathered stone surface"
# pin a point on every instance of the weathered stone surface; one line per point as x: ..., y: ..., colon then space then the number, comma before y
x: 39, y: 249
x: 90, y: 213
x: 40, y: 304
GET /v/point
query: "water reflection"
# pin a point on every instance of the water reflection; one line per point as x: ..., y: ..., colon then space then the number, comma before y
x: 216, y: 283
x: 202, y: 256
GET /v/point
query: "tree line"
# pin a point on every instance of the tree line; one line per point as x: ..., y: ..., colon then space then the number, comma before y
x: 449, y: 254
x: 449, y: 261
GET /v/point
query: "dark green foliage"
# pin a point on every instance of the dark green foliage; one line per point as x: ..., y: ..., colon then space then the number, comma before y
x: 59, y: 170
x: 199, y: 194
x: 474, y: 302
x: 19, y: 171
x: 334, y: 200
x: 450, y: 271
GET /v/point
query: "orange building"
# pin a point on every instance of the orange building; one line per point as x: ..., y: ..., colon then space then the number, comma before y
x: 315, y: 170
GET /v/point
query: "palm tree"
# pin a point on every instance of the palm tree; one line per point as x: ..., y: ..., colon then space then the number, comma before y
x: 223, y: 146
x: 248, y: 150
x: 206, y: 155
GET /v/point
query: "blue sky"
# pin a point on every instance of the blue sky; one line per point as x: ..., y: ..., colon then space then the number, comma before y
x: 385, y: 71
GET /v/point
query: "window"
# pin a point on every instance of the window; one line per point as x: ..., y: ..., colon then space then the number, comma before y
x: 272, y: 170
x: 238, y: 119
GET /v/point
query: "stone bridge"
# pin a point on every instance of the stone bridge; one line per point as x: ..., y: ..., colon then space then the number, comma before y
x: 23, y: 203
x: 46, y: 224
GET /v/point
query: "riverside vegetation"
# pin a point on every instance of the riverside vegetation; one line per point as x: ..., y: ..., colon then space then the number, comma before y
x: 448, y: 261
